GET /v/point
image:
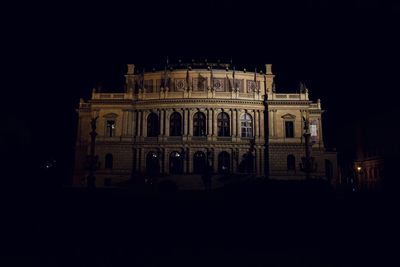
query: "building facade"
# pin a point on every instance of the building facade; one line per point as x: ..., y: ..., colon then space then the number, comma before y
x: 179, y: 122
x: 369, y: 163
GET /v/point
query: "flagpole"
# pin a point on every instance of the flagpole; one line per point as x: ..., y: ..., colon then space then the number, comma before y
x: 255, y: 79
x: 233, y: 77
x: 211, y: 78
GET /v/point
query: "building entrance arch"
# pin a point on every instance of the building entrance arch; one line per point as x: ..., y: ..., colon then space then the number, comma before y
x: 199, y: 162
x: 175, y: 163
x: 224, y: 162
x: 152, y: 163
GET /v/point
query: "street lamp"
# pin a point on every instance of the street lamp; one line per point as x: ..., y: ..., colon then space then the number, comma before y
x: 359, y: 174
x: 308, y: 165
x: 210, y: 158
x: 92, y: 160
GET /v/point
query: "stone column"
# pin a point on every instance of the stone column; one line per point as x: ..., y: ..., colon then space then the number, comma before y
x: 234, y: 123
x: 124, y: 123
x: 215, y: 119
x: 238, y: 130
x: 144, y: 122
x: 231, y: 121
x: 262, y: 125
x: 139, y: 123
x: 256, y: 124
x: 166, y: 121
x: 130, y: 123
x: 274, y: 119
x: 185, y: 122
x: 159, y: 113
x: 134, y: 120
x: 209, y: 124
x: 190, y: 112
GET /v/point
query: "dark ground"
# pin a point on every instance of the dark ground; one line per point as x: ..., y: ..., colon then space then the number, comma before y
x: 255, y: 224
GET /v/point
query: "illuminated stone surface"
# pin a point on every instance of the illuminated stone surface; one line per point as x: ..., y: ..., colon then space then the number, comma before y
x: 142, y: 150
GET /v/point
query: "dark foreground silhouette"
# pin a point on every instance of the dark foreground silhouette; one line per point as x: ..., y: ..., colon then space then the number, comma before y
x: 248, y: 224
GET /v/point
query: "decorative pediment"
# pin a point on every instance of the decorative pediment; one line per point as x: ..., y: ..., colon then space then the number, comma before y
x: 110, y: 116
x: 288, y: 116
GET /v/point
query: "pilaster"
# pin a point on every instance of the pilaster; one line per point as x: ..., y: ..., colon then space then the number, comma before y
x: 209, y: 123
x: 262, y: 125
x: 274, y: 119
x: 167, y: 113
x: 234, y: 124
x: 256, y: 124
x: 186, y: 122
x: 214, y: 123
x: 144, y: 122
x: 238, y: 130
x: 190, y: 113
x: 124, y: 123
x: 139, y: 123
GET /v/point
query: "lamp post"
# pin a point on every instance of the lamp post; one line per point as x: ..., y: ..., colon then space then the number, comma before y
x: 359, y: 181
x: 307, y: 164
x: 92, y: 159
x: 210, y: 158
x: 207, y: 172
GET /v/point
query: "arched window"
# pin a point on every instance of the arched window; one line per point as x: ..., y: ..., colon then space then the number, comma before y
x: 291, y: 163
x: 109, y: 161
x: 199, y: 162
x: 199, y: 124
x: 152, y: 163
x: 223, y: 124
x: 246, y: 124
x: 153, y: 128
x: 175, y: 124
x: 224, y: 162
x: 175, y: 163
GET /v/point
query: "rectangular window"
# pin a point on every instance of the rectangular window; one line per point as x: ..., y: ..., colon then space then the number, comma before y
x: 246, y: 129
x: 289, y: 131
x: 110, y: 128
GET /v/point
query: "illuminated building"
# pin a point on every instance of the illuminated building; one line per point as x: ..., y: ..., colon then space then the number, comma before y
x: 172, y: 123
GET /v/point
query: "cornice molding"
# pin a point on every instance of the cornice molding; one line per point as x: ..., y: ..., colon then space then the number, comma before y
x: 289, y: 102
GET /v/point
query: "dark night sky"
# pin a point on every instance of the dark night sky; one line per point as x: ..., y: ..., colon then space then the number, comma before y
x: 55, y: 53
